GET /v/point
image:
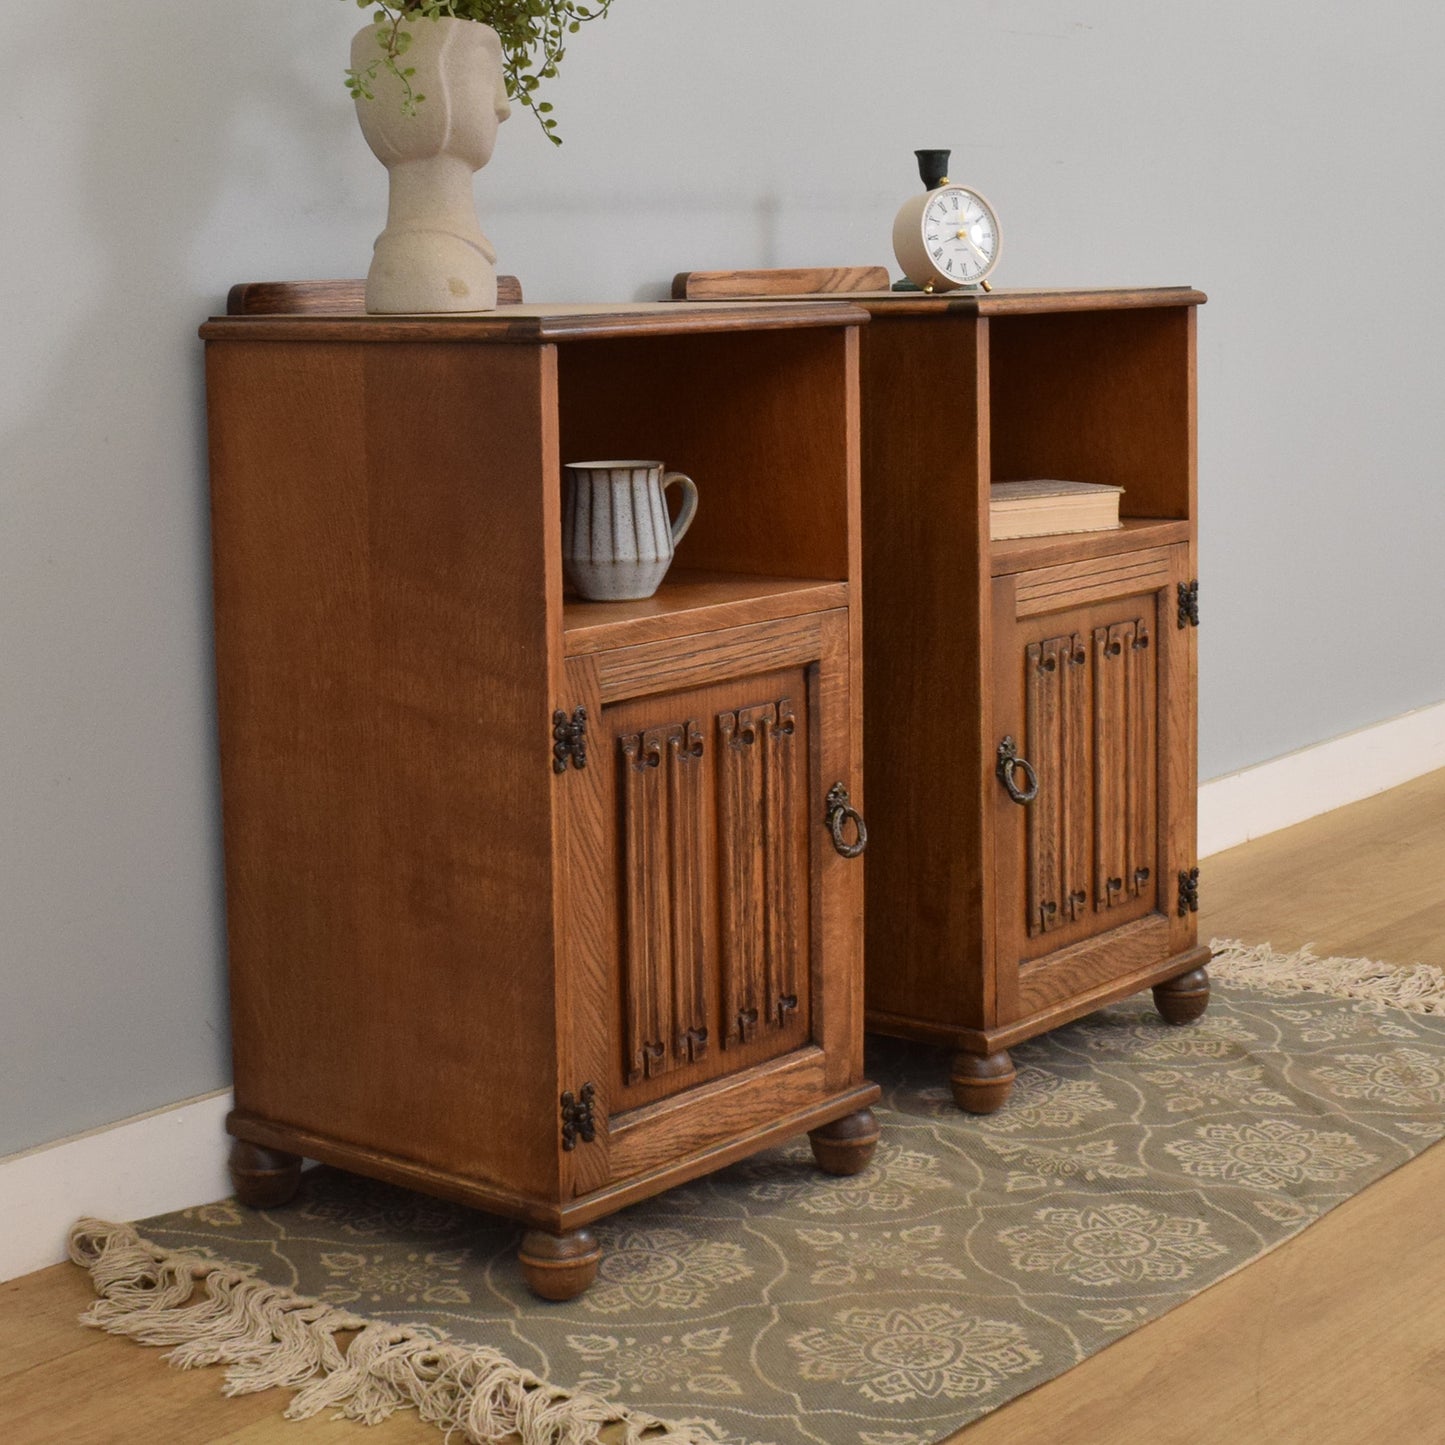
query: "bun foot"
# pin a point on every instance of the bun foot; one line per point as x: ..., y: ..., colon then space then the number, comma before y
x: 846, y: 1145
x: 982, y: 1082
x: 263, y: 1178
x: 1183, y: 999
x: 559, y: 1266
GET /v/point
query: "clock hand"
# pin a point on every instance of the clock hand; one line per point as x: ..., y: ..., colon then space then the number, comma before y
x: 968, y: 241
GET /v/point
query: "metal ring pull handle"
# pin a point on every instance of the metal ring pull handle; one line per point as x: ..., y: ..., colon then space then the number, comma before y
x: 840, y: 813
x: 1010, y: 764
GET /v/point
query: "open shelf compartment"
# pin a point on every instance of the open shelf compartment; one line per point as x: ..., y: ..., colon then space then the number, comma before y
x: 763, y: 423
x: 1095, y: 396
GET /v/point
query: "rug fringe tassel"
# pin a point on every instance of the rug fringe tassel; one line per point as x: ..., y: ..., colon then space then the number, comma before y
x: 211, y: 1313
x: 1418, y: 987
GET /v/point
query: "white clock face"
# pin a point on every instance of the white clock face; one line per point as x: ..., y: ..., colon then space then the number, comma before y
x: 960, y: 231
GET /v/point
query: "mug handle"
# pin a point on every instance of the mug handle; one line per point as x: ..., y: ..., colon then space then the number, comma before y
x: 689, y: 503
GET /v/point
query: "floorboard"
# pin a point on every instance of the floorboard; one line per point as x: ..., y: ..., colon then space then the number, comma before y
x: 1337, y: 1336
x: 1362, y: 882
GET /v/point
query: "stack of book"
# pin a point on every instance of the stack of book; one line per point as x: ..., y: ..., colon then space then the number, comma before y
x: 1043, y: 508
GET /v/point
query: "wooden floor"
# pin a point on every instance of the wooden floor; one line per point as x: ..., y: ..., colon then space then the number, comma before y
x: 1337, y: 1336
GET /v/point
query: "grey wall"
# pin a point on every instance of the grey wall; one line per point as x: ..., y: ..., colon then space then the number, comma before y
x: 1282, y: 156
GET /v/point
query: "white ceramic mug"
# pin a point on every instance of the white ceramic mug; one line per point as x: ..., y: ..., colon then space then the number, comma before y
x: 617, y: 536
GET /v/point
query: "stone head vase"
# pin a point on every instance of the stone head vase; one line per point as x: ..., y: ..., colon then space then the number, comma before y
x: 432, y: 256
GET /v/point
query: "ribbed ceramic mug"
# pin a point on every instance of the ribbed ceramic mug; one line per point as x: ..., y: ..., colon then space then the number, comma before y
x: 617, y: 536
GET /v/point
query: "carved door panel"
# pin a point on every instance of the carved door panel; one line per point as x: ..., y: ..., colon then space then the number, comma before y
x: 712, y: 886
x: 1091, y: 677
x: 696, y: 847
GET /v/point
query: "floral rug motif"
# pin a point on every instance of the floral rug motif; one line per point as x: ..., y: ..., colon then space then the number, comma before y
x: 768, y: 1304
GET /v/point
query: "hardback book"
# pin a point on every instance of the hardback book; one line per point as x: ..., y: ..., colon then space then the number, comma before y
x: 1043, y: 508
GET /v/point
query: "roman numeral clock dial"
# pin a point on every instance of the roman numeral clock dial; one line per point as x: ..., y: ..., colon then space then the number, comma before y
x: 948, y: 237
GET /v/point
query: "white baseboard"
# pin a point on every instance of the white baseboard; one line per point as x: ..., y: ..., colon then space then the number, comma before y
x: 1248, y: 804
x: 169, y: 1159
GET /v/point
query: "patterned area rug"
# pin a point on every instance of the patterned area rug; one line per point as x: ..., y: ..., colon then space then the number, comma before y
x: 1135, y: 1165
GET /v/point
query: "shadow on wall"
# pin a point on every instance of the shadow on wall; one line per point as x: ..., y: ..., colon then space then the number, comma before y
x: 140, y: 140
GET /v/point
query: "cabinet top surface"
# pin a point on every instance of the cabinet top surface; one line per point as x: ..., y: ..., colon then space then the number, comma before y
x: 1003, y: 301
x: 532, y: 324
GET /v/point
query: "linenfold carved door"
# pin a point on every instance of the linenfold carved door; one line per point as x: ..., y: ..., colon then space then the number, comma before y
x: 699, y: 876
x: 1091, y: 686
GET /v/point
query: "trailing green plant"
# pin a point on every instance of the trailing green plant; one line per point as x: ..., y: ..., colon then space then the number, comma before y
x: 533, y: 35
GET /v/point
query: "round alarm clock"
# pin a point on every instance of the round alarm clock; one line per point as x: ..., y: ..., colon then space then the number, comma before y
x: 949, y: 236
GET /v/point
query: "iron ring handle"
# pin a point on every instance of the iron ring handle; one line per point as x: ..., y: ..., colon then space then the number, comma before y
x: 840, y: 813
x: 1010, y: 763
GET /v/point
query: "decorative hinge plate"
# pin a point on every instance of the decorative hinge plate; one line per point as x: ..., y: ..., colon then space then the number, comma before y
x: 569, y: 740
x: 1189, y: 603
x: 1188, y: 892
x: 577, y: 1117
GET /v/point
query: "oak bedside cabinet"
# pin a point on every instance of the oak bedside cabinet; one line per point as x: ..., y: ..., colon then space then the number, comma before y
x: 1031, y: 733
x: 536, y: 904
x: 1003, y: 905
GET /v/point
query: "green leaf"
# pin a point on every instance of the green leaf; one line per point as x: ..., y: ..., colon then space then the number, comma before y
x: 531, y: 33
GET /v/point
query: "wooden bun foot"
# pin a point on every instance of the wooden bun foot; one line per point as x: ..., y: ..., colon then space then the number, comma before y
x: 263, y: 1178
x: 1183, y: 999
x: 982, y: 1082
x: 846, y: 1145
x: 559, y: 1266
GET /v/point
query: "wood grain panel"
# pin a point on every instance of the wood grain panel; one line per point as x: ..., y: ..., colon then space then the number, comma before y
x: 740, y: 915
x: 1125, y: 762
x: 1007, y: 301
x: 1059, y: 747
x: 780, y: 281
x: 363, y: 657
x: 541, y: 1210
x: 533, y: 325
x: 1098, y: 737
x: 1075, y: 583
x: 926, y: 651
x: 293, y: 298
x: 590, y: 939
x: 688, y: 814
x: 664, y: 961
x: 1001, y: 301
x: 1044, y: 664
x: 740, y: 867
x: 690, y: 602
x: 736, y: 652
x: 645, y: 1138
x: 1177, y: 781
x: 1029, y: 554
x: 1112, y: 646
x: 835, y: 978
x: 1141, y: 764
x: 1095, y: 962
x: 785, y: 863
x: 763, y: 873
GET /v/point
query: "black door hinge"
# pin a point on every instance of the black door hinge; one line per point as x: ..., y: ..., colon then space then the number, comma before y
x: 569, y: 740
x: 1189, y: 603
x: 577, y: 1118
x: 1188, y: 892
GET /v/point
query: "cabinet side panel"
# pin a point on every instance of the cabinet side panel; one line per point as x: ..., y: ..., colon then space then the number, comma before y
x: 925, y: 444
x: 382, y: 623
